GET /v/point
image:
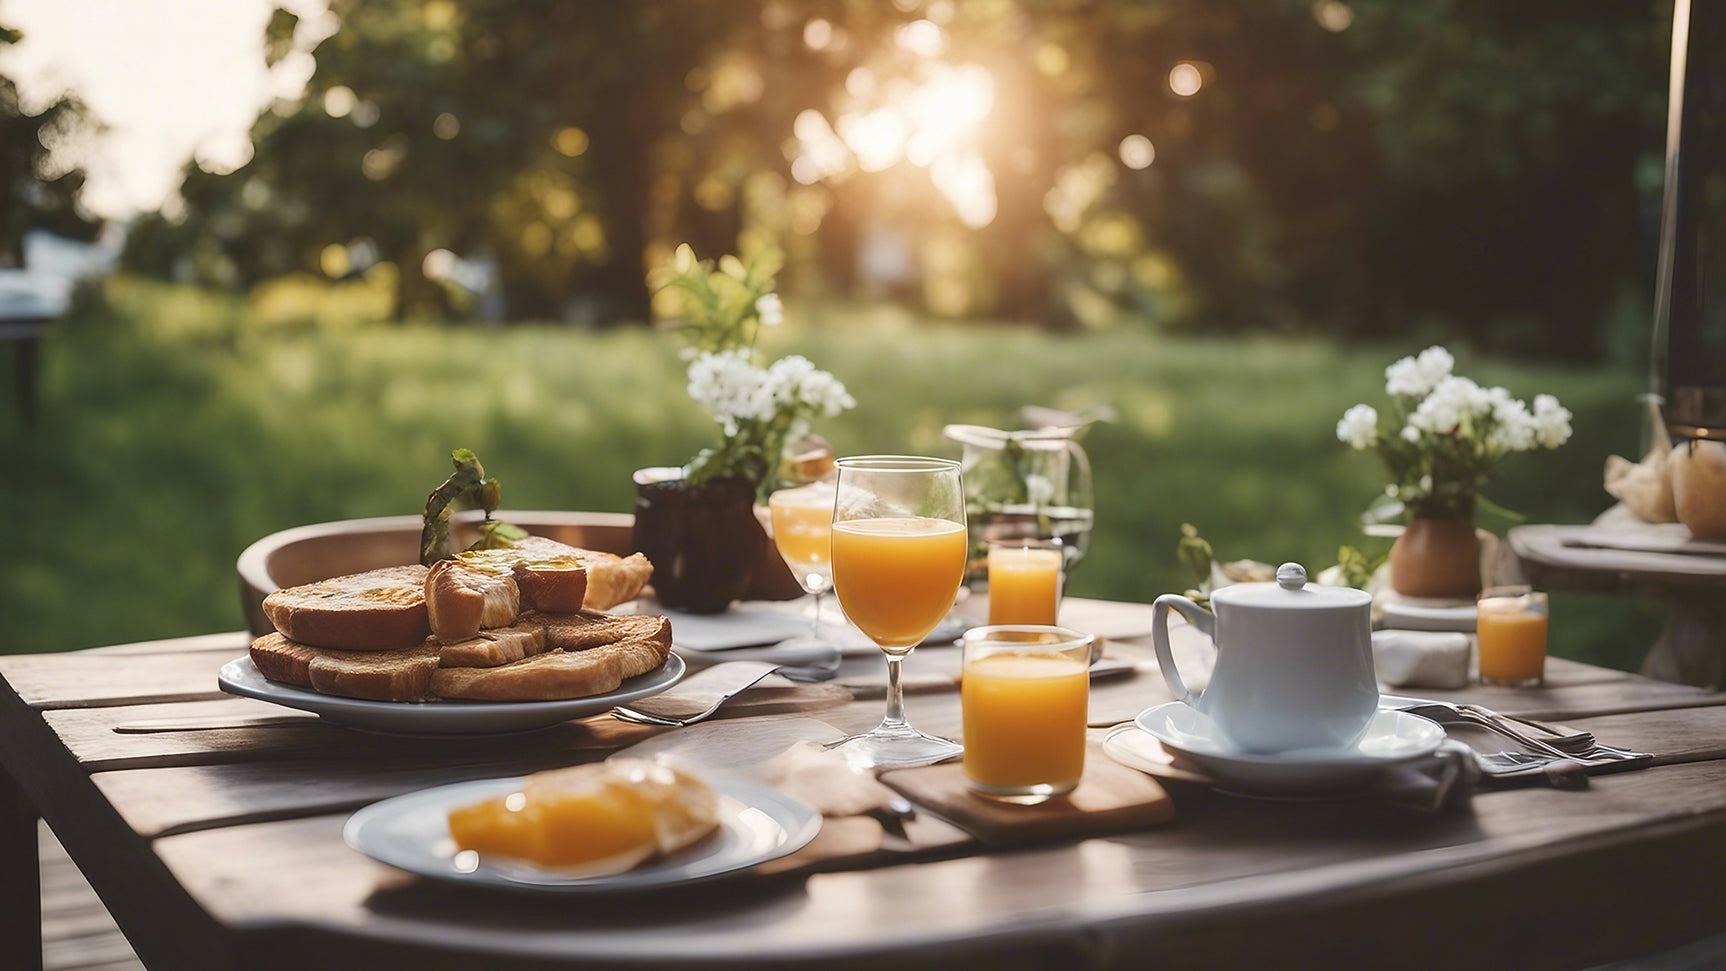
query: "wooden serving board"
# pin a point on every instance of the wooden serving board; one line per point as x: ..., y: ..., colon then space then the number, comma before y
x: 1111, y: 798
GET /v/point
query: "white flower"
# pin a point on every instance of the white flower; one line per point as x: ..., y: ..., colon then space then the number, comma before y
x: 1359, y: 427
x: 770, y: 310
x: 1512, y: 425
x: 1415, y: 376
x: 730, y: 387
x: 1410, y: 433
x: 1456, y: 401
x: 1551, y: 421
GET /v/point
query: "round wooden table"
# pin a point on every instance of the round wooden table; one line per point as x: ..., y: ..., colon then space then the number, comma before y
x: 1692, y: 586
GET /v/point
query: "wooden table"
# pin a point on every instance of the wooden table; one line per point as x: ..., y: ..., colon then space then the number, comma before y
x: 1692, y: 647
x: 223, y: 849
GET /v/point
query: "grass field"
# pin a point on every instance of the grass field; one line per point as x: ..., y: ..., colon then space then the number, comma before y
x: 175, y: 428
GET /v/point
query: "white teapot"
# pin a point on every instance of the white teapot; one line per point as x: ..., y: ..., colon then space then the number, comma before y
x: 1294, y: 662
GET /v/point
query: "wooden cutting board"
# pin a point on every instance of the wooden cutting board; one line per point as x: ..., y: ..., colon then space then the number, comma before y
x: 1111, y: 798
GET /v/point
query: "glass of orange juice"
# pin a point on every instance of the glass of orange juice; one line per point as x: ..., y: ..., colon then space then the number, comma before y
x: 1512, y: 631
x: 1024, y: 696
x: 803, y: 531
x: 1024, y: 581
x: 899, y: 550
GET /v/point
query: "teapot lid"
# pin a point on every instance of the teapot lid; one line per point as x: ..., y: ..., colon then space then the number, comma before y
x: 1291, y: 591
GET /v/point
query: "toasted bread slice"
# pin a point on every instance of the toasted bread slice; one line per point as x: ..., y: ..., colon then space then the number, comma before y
x: 555, y: 675
x: 463, y: 597
x: 403, y: 675
x: 587, y: 629
x: 611, y: 579
x: 552, y: 676
x: 378, y: 610
x: 493, y: 647
x: 549, y: 579
x: 280, y: 659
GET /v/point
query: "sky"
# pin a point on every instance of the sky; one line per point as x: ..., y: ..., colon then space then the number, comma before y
x: 169, y: 81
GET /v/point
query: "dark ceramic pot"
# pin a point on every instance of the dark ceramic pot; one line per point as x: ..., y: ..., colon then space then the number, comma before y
x: 1436, y: 558
x: 704, y: 541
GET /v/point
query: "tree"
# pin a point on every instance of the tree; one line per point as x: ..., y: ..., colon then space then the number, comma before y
x: 40, y: 191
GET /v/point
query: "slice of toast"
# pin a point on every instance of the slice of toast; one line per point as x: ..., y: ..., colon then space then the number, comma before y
x: 377, y: 610
x: 493, y: 647
x: 588, y: 629
x: 463, y: 597
x: 555, y: 675
x: 548, y: 579
x: 403, y: 675
x: 611, y: 579
x: 280, y: 659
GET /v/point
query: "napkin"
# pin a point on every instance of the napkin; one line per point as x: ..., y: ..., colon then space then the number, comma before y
x: 1421, y: 659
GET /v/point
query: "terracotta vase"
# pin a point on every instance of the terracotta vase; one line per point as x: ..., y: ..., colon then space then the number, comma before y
x: 1436, y: 558
x: 704, y: 541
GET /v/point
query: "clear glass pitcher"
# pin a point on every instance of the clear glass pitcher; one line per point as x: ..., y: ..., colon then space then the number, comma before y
x: 1032, y: 483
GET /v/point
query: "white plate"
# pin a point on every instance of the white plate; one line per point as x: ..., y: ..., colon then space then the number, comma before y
x: 756, y: 824
x: 1392, y: 738
x: 1407, y: 616
x: 241, y: 677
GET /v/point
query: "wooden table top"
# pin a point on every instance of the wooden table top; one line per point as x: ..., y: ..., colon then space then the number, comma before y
x: 223, y: 848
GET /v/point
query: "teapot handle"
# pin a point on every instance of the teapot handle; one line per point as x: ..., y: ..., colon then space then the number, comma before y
x: 1196, y: 615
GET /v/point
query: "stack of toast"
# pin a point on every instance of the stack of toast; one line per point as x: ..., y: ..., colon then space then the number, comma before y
x: 522, y: 623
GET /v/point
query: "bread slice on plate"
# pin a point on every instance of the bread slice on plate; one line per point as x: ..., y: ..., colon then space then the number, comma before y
x: 378, y: 610
x: 588, y: 629
x: 555, y: 675
x: 611, y: 579
x: 463, y: 597
x: 493, y: 647
x: 280, y: 659
x: 395, y: 675
x: 549, y: 578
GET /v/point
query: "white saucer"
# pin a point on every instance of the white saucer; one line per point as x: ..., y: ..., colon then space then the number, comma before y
x: 1392, y: 738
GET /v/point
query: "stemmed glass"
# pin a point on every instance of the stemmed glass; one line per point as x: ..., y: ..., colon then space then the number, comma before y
x: 899, y: 550
x: 802, y: 530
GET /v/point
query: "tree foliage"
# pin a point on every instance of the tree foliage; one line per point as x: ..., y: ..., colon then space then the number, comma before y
x: 37, y: 190
x: 1359, y: 164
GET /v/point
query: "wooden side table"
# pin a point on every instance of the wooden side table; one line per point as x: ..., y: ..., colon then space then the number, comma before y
x: 1692, y: 588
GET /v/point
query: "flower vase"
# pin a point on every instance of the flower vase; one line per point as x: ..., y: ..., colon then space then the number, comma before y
x: 1436, y: 558
x: 703, y: 539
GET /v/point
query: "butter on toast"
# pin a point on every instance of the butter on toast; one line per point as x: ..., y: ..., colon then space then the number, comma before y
x: 377, y: 610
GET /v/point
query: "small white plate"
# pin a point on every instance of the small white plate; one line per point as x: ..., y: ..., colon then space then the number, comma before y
x: 1407, y: 616
x: 241, y: 677
x: 756, y: 823
x: 1392, y: 738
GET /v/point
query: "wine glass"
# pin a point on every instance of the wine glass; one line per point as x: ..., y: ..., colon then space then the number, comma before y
x: 899, y: 550
x: 802, y: 530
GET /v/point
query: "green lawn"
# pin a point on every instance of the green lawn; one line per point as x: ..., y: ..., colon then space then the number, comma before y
x: 175, y: 429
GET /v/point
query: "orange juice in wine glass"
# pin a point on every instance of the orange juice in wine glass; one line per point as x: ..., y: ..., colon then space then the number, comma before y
x: 802, y: 529
x: 897, y: 577
x: 899, y: 551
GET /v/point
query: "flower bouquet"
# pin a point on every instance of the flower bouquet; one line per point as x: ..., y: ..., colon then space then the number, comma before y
x: 697, y: 522
x: 1439, y: 440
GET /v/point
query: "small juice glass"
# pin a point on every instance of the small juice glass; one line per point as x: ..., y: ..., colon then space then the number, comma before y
x: 1024, y: 581
x: 1512, y: 630
x: 1024, y: 695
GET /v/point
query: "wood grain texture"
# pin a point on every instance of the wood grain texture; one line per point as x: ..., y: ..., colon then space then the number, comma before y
x: 83, y: 680
x: 1228, y: 862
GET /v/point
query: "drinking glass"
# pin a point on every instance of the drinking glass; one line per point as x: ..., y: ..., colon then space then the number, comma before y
x: 1025, y: 581
x: 802, y: 530
x: 899, y: 549
x: 1024, y: 697
x: 1511, y: 627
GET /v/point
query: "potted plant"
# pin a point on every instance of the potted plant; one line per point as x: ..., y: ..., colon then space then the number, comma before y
x: 1440, y: 439
x: 696, y: 522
